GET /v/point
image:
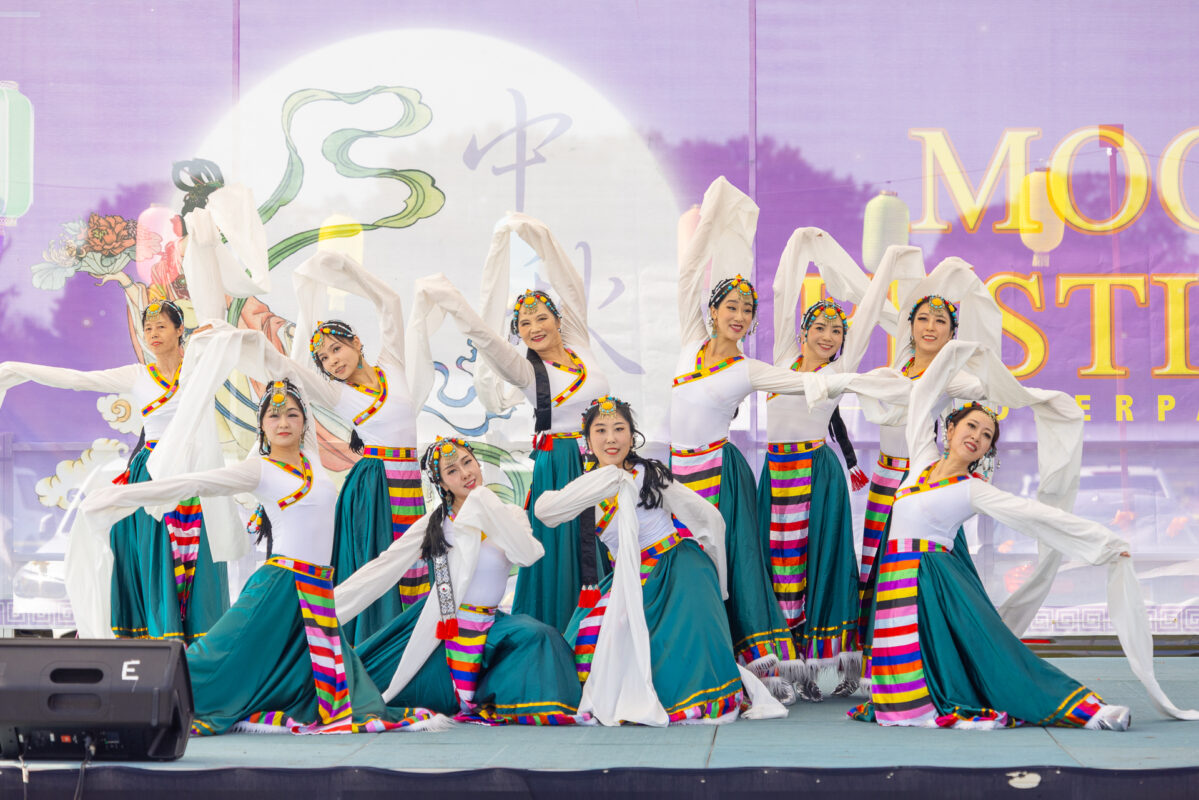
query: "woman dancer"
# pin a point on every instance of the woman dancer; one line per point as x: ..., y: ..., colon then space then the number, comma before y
x: 381, y: 496
x: 164, y: 582
x: 713, y: 378
x: 967, y: 669
x: 556, y: 373
x: 949, y: 302
x: 943, y: 655
x: 803, y: 501
x: 277, y: 660
x: 458, y: 654
x: 634, y: 663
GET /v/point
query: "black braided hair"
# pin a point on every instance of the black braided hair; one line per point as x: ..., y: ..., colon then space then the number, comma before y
x: 656, y: 474
x: 435, y: 544
x: 265, y: 531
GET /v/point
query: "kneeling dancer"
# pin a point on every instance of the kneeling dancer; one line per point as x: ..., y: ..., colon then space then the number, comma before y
x: 656, y: 649
x: 453, y: 651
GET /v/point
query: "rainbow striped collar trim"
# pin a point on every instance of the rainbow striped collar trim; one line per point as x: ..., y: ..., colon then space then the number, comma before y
x: 170, y: 386
x: 702, y: 371
x: 575, y: 367
x: 304, y: 475
x: 922, y: 484
x: 795, y: 368
x: 379, y: 397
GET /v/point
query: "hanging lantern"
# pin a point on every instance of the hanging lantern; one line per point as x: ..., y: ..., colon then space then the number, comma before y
x: 1041, y: 229
x: 885, y: 222
x: 16, y: 152
x: 157, y: 245
x: 340, y: 234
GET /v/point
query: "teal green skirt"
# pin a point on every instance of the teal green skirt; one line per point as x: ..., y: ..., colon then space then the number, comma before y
x: 695, y: 673
x: 527, y: 669
x: 830, y: 595
x: 145, y: 598
x: 256, y: 659
x: 362, y: 530
x: 548, y: 589
x: 974, y: 669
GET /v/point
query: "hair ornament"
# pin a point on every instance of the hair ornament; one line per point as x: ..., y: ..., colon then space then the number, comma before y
x: 278, y: 395
x: 333, y: 327
x: 939, y: 303
x: 607, y: 405
x: 527, y: 301
x: 442, y: 449
x: 158, y: 306
x: 975, y: 406
x: 827, y: 308
x: 744, y: 288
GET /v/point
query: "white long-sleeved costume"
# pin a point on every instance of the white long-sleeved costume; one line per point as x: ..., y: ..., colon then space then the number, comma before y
x: 303, y: 529
x: 936, y: 514
x: 236, y: 266
x: 620, y: 686
x: 392, y: 424
x: 701, y: 408
x: 979, y: 320
x: 505, y: 376
x: 792, y: 418
x: 142, y: 382
x: 488, y: 536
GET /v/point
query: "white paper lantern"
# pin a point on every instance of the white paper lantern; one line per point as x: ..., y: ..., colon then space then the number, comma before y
x: 886, y: 222
x: 16, y: 152
x: 1035, y: 208
x: 157, y: 219
x: 340, y: 234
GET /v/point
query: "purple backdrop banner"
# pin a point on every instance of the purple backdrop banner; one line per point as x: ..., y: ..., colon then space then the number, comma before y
x: 608, y: 121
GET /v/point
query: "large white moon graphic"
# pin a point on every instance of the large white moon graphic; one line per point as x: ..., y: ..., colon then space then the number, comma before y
x: 576, y: 163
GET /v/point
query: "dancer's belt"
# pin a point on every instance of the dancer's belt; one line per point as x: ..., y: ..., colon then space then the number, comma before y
x: 390, y: 453
x: 893, y: 462
x: 545, y: 441
x: 916, y: 546
x: 701, y: 450
x: 324, y: 573
x: 789, y: 448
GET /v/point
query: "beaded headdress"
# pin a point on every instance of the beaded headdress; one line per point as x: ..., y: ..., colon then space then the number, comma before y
x: 608, y: 405
x: 828, y: 310
x: 936, y: 301
x: 275, y: 397
x: 744, y: 288
x: 158, y: 306
x: 988, y: 461
x: 527, y: 301
x: 442, y: 452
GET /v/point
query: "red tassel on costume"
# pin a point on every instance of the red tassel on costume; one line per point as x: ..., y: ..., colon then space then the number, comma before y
x: 588, y: 597
x: 122, y: 479
x: 441, y: 630
x: 858, y: 479
x: 451, y: 628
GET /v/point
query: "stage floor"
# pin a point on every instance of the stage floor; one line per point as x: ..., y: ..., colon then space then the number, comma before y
x: 815, y: 735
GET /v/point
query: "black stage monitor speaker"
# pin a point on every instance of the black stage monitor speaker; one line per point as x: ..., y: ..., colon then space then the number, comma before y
x: 130, y: 699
